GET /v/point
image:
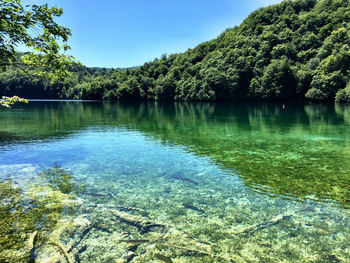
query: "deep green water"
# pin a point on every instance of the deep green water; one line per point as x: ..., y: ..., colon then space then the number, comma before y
x: 227, y: 182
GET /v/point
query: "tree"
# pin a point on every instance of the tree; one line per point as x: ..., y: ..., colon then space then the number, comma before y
x: 343, y: 95
x: 33, y: 26
x: 278, y: 81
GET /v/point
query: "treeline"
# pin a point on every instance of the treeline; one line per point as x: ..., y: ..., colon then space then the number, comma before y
x: 29, y: 84
x: 294, y: 50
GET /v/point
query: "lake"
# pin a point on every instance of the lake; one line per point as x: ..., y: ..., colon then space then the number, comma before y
x: 174, y: 182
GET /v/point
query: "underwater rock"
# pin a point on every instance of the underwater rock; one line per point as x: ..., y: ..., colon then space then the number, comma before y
x: 81, y: 221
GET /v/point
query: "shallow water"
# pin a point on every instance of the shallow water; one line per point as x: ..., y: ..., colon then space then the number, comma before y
x: 186, y: 182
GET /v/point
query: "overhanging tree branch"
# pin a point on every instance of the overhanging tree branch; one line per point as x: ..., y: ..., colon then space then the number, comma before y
x: 33, y: 26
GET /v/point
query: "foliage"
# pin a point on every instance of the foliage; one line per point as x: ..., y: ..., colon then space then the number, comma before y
x: 33, y: 26
x: 343, y: 95
x: 294, y: 50
x: 8, y: 101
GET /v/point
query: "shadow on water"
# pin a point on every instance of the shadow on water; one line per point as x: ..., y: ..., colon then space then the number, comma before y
x: 300, y: 152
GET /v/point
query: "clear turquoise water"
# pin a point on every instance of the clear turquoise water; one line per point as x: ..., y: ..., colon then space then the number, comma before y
x: 226, y: 182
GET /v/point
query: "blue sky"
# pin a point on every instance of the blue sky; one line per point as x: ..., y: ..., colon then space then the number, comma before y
x: 124, y: 33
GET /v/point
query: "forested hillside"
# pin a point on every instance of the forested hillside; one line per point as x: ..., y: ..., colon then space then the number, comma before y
x: 295, y: 50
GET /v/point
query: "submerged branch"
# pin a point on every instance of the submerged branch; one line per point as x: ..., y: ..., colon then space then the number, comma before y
x: 256, y: 227
x: 63, y: 250
x: 31, y: 241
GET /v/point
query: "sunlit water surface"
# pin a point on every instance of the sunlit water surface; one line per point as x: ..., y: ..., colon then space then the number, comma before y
x: 183, y: 182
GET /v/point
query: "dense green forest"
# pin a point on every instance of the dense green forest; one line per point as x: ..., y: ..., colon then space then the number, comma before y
x: 294, y: 50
